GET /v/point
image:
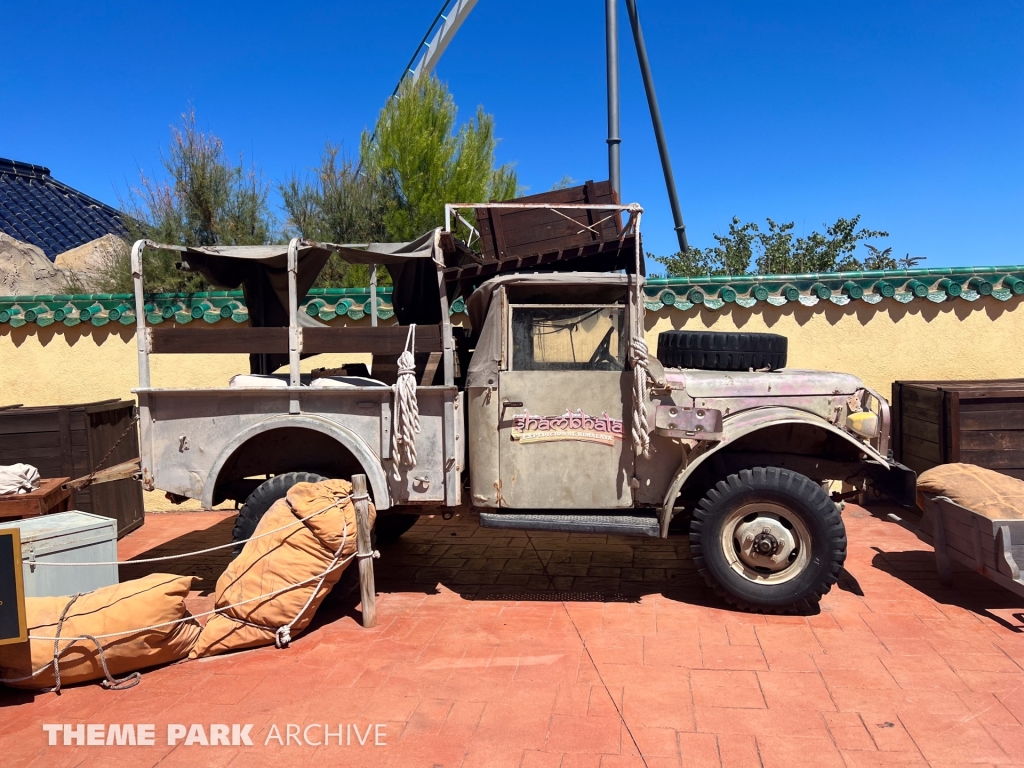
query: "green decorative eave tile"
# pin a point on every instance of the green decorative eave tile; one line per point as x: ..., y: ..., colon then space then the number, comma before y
x: 839, y: 288
x: 713, y: 293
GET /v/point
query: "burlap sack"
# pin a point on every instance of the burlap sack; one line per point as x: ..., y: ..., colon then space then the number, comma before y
x: 273, y: 562
x: 985, y: 491
x: 155, y: 599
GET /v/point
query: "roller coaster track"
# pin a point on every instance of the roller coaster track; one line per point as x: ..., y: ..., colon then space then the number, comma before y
x: 438, y: 35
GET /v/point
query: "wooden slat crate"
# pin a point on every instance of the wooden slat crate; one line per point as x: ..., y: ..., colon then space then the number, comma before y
x: 972, y: 422
x: 70, y: 441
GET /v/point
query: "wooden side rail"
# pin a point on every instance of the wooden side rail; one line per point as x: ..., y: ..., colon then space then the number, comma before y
x: 190, y: 341
x: 382, y: 340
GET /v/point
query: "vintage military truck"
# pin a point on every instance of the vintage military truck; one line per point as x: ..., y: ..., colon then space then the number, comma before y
x: 547, y: 414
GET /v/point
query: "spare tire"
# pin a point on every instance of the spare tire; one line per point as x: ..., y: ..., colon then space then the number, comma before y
x: 716, y: 351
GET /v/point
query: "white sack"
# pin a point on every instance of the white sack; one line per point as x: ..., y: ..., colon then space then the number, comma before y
x: 18, y: 478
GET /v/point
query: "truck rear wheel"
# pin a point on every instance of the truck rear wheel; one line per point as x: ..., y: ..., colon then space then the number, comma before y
x: 768, y: 539
x: 388, y: 528
x: 262, y: 499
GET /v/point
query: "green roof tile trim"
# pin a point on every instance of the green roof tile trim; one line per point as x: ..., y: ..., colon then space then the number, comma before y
x: 99, y: 309
x: 902, y: 285
x: 681, y: 293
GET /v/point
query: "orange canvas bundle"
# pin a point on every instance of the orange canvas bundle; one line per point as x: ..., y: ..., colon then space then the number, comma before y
x: 272, y: 564
x: 985, y: 491
x: 154, y: 600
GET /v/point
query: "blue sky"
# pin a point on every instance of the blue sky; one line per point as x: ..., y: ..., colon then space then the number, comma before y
x: 909, y: 113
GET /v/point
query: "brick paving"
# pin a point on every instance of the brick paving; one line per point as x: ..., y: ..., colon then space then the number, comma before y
x: 500, y: 648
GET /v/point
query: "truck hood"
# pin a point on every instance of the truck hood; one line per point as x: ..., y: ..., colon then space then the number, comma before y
x: 787, y: 382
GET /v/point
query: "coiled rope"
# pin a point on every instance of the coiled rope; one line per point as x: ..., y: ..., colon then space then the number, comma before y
x: 639, y: 357
x: 406, y: 421
x: 641, y: 396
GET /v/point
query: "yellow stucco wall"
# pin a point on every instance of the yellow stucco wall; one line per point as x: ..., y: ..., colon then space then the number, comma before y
x: 57, y: 364
x: 879, y: 343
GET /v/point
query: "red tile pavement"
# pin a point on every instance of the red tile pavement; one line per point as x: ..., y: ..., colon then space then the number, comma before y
x: 500, y: 648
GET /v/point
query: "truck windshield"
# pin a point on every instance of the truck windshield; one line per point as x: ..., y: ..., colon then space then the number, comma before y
x: 579, y: 338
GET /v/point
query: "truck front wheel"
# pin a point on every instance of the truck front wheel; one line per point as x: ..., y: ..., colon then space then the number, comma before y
x: 768, y: 539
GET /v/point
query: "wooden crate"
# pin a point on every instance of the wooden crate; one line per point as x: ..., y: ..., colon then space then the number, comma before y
x: 70, y: 441
x: 47, y: 499
x: 512, y: 234
x: 972, y: 422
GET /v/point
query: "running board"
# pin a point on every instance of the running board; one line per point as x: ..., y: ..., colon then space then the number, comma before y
x: 622, y: 525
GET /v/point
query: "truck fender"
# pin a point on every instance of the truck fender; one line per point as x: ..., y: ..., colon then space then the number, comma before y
x: 371, y: 465
x: 745, y: 423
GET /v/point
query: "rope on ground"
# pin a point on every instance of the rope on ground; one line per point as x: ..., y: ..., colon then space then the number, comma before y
x: 110, y: 682
x: 406, y: 421
x: 56, y: 644
x: 188, y: 554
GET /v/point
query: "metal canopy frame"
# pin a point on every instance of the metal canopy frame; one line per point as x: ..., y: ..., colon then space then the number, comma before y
x: 294, y: 329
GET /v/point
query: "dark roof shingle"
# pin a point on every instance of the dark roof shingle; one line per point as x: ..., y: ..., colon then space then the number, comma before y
x: 36, y: 208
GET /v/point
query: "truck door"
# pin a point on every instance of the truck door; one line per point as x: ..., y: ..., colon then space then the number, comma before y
x: 564, y: 399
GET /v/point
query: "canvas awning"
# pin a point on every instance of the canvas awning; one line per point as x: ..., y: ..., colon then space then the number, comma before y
x: 262, y: 273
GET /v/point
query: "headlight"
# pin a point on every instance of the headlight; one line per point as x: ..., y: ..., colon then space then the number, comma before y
x: 864, y: 423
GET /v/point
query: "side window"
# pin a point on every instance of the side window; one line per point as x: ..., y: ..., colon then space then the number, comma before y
x: 558, y: 338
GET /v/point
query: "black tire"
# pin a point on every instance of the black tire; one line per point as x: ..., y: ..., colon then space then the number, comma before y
x: 389, y: 528
x: 261, y: 500
x: 780, y: 502
x: 714, y: 351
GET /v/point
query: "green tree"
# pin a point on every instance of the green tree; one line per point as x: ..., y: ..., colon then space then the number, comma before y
x: 731, y: 256
x: 337, y: 204
x: 205, y: 200
x: 832, y: 251
x: 422, y: 161
x: 879, y: 259
x: 776, y: 250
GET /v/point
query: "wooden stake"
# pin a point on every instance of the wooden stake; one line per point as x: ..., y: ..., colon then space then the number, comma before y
x: 366, y: 587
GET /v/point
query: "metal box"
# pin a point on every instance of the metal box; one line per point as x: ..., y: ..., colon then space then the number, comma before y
x: 67, y: 537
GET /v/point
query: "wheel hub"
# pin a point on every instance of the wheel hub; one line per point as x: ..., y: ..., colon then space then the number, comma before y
x: 765, y: 544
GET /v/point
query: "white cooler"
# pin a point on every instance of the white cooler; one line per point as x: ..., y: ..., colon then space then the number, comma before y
x: 66, y: 537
